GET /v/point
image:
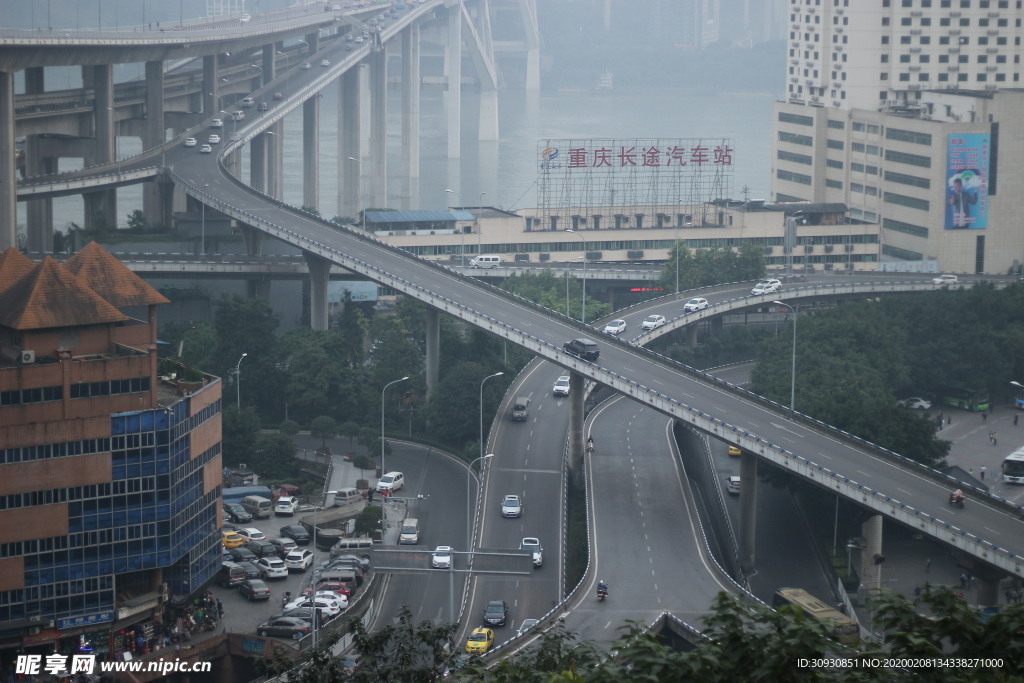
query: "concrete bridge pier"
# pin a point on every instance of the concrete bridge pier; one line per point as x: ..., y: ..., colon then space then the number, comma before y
x: 691, y: 336
x: 154, y: 198
x: 313, y: 41
x: 319, y: 272
x: 211, y: 84
x: 577, y: 416
x: 101, y: 206
x: 311, y: 153
x: 38, y: 212
x: 433, y: 348
x: 8, y: 173
x: 453, y: 79
x: 748, y: 511
x: 410, y: 110
x: 275, y: 160
x: 378, y: 127
x: 349, y: 148
x: 258, y: 162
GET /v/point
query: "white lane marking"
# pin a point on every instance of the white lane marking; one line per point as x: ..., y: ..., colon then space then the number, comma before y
x: 992, y: 530
x: 784, y: 429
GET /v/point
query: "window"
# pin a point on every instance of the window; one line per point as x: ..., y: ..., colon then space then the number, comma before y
x: 904, y: 77
x: 908, y: 136
x: 854, y: 166
x: 794, y: 157
x: 908, y: 228
x: 910, y: 159
x: 904, y: 59
x: 856, y: 187
x: 796, y: 118
x: 834, y: 184
x: 835, y: 144
x: 805, y: 140
x: 903, y: 200
x: 904, y: 40
x: 793, y: 177
x: 838, y: 125
x: 905, y: 179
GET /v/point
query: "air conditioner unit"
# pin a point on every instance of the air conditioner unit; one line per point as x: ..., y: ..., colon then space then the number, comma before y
x: 27, y: 356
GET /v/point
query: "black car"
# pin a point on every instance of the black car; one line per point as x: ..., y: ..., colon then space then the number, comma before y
x: 496, y: 613
x: 252, y: 570
x: 284, y: 627
x: 284, y: 546
x: 583, y: 348
x: 297, y: 533
x: 362, y: 560
x: 254, y: 589
x: 237, y: 513
x: 306, y: 614
x: 262, y: 549
x: 242, y: 554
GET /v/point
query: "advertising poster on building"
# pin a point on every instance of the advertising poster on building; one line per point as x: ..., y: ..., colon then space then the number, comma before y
x: 967, y: 157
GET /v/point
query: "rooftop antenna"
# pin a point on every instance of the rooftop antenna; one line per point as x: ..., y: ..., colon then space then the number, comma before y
x: 746, y: 194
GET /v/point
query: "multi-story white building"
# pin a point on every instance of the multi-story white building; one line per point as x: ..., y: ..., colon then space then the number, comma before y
x: 909, y: 112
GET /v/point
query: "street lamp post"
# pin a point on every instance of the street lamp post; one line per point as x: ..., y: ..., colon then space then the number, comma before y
x: 202, y: 247
x: 583, y: 312
x: 117, y: 124
x: 359, y: 187
x: 469, y: 508
x: 792, y: 378
x: 238, y: 382
x: 382, y: 392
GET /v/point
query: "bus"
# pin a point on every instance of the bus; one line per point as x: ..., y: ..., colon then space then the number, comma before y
x: 1013, y: 467
x: 237, y: 493
x: 965, y: 399
x: 843, y: 628
x: 1018, y: 401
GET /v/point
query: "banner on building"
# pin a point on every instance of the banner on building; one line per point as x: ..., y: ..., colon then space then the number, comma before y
x: 967, y: 167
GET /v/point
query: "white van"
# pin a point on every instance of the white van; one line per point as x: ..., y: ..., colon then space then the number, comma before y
x: 391, y: 482
x: 258, y: 506
x: 485, y: 261
x: 238, y: 115
x: 247, y: 102
x: 410, y: 534
x: 347, y: 496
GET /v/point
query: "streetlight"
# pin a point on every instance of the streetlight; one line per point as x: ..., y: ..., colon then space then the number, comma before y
x: 469, y: 509
x: 583, y: 313
x: 792, y: 378
x: 382, y: 392
x: 238, y: 382
x: 497, y: 374
x: 202, y: 248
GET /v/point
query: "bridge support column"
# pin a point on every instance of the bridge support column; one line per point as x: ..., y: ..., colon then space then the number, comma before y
x: 211, y: 86
x: 379, y: 127
x: 716, y: 325
x: 453, y: 78
x: 313, y: 41
x: 691, y: 335
x: 258, y: 162
x: 748, y: 511
x: 101, y: 207
x: 576, y: 423
x: 153, y: 196
x: 433, y: 348
x: 253, y: 239
x: 38, y: 212
x: 410, y: 109
x: 987, y: 591
x: 870, y: 570
x: 8, y: 173
x: 319, y: 272
x: 275, y: 160
x: 311, y: 153
x: 349, y: 150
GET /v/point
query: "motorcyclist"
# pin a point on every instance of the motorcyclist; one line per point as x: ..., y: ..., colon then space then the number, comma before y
x: 956, y: 497
x: 590, y: 443
x: 286, y: 598
x: 602, y: 587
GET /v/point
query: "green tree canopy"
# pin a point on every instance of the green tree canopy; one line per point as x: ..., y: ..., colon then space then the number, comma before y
x: 713, y: 266
x: 323, y: 428
x: 239, y: 430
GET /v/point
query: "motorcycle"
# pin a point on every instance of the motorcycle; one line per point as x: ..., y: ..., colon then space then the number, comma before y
x: 602, y: 593
x: 956, y: 502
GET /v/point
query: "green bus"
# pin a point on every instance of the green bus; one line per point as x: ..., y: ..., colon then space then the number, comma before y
x: 841, y: 627
x: 965, y: 399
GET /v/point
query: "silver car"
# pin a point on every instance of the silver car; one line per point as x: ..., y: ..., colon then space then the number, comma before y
x: 511, y: 506
x: 561, y: 387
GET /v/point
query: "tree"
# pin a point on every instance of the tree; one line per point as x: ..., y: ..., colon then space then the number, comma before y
x: 401, y: 650
x: 369, y: 519
x: 713, y: 266
x: 453, y: 410
x: 274, y: 454
x: 289, y: 427
x: 239, y: 430
x: 137, y: 221
x: 324, y: 428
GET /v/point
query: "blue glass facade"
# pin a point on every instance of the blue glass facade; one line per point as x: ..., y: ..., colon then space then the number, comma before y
x: 152, y: 514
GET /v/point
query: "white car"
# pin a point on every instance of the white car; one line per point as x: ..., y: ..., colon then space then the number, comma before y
x: 252, y: 534
x: 615, y: 327
x: 652, y: 322
x: 191, y: 142
x: 945, y: 280
x: 325, y: 62
x: 214, y: 139
x: 306, y: 66
x: 698, y: 303
x: 561, y: 387
x: 511, y: 506
x: 916, y: 403
x: 299, y: 560
x: 732, y: 485
x: 442, y: 557
x: 285, y: 506
x: 533, y: 545
x: 769, y: 286
x: 272, y: 568
x: 328, y: 606
x: 206, y: 149
x: 216, y: 123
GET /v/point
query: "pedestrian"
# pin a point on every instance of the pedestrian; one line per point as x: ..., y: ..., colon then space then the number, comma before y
x: 369, y: 496
x: 981, y: 471
x: 917, y: 594
x: 984, y: 417
x: 1015, y: 418
x: 949, y: 420
x: 995, y: 441
x: 928, y: 566
x: 970, y: 580
x: 927, y: 588
x: 963, y: 580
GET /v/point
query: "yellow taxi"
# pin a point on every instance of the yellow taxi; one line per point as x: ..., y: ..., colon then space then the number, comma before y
x: 480, y: 641
x: 735, y: 451
x: 231, y: 539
